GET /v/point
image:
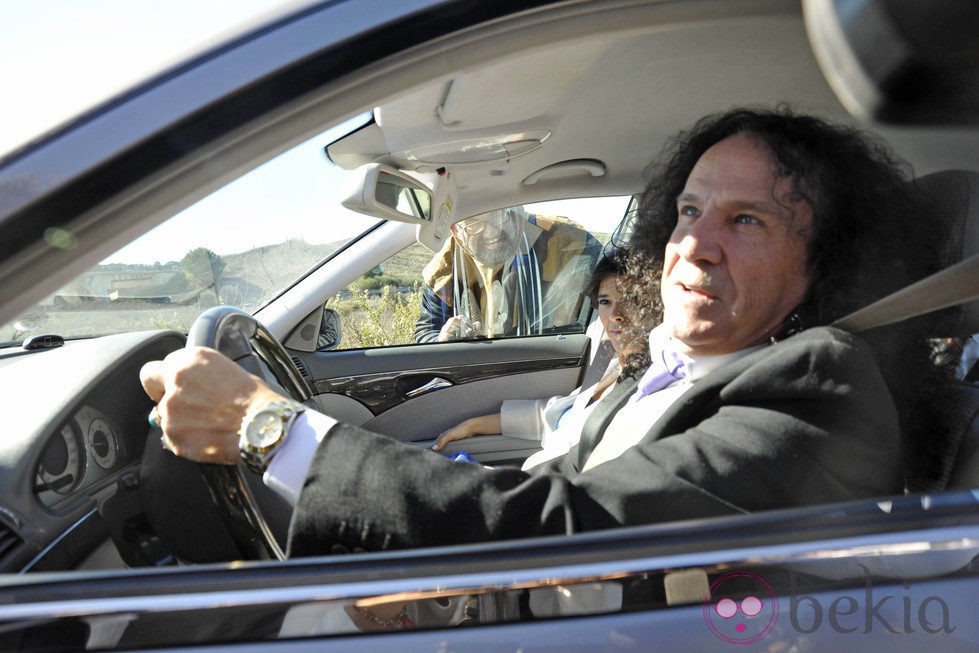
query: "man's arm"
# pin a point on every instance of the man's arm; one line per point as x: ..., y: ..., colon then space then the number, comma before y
x: 570, y: 257
x: 202, y: 397
x: 432, y: 316
x: 805, y: 422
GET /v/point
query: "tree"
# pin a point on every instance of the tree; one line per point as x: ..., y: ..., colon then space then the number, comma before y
x: 202, y: 267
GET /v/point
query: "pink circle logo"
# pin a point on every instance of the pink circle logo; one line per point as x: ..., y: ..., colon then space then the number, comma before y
x: 740, y: 608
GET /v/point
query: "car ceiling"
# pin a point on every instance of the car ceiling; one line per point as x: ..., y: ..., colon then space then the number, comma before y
x: 614, y: 96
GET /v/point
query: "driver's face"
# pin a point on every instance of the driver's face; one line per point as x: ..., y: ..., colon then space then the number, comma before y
x: 489, y: 237
x: 736, y: 263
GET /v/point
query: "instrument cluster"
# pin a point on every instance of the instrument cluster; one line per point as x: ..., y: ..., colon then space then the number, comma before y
x: 86, y: 450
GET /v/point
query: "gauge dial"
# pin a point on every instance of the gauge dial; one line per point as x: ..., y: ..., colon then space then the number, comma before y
x: 103, y: 443
x: 63, y: 461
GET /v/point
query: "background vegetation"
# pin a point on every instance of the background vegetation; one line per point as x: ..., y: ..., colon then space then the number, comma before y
x: 381, y: 308
x: 379, y: 319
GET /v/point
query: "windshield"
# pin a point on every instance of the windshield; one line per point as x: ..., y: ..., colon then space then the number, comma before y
x: 240, y: 246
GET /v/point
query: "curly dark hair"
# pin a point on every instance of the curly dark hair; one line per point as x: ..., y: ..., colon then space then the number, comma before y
x: 616, y: 263
x: 857, y: 189
x: 868, y: 236
x: 607, y: 266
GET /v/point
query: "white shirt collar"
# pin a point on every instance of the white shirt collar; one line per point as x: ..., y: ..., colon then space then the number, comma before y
x: 698, y: 367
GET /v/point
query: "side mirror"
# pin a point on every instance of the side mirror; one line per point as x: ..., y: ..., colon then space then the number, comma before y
x: 330, y: 333
x: 385, y: 192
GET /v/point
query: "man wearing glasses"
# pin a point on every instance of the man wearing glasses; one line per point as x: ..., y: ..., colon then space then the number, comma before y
x: 506, y: 272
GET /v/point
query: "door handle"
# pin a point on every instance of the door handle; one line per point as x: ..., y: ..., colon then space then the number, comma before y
x: 435, y: 384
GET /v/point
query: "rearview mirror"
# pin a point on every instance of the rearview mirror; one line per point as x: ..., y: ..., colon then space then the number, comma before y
x: 385, y: 192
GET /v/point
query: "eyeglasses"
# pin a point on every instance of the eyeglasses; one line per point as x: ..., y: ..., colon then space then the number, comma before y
x: 475, y: 226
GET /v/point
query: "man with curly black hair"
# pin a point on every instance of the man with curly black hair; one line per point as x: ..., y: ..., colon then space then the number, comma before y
x: 866, y: 238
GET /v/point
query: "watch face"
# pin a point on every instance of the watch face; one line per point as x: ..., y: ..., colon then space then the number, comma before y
x: 265, y: 429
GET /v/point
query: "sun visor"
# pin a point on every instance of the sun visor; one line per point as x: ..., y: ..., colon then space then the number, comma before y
x: 385, y: 192
x: 445, y: 194
x: 361, y: 147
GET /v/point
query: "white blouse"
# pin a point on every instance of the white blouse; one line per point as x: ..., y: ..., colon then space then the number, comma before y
x: 556, y: 422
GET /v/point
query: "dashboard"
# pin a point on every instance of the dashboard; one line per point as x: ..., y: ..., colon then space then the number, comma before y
x: 71, y: 460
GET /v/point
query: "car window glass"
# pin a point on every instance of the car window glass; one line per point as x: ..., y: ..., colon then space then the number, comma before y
x: 381, y: 307
x: 239, y: 246
x: 417, y: 296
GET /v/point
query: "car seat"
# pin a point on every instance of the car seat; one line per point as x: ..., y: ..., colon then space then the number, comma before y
x: 955, y: 202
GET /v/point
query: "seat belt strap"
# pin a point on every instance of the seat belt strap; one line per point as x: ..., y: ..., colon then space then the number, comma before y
x: 954, y: 285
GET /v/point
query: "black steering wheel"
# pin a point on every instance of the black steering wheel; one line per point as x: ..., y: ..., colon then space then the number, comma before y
x: 233, y: 488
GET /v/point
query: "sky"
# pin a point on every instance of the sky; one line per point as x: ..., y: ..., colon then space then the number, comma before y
x: 297, y: 193
x: 65, y: 56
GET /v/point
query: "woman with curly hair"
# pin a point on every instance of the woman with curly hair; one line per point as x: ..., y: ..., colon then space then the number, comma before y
x: 557, y: 422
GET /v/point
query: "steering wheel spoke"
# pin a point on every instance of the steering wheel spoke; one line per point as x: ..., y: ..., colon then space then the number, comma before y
x: 240, y: 337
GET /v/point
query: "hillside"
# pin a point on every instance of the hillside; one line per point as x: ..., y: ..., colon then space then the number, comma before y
x: 244, y: 274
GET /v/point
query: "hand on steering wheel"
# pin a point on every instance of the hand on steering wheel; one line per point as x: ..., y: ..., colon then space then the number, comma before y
x: 200, y: 414
x: 202, y: 397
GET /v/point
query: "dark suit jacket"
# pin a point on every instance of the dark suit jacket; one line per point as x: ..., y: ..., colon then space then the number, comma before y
x: 806, y: 421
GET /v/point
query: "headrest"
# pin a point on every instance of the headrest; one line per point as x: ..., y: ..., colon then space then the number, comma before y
x: 953, y: 196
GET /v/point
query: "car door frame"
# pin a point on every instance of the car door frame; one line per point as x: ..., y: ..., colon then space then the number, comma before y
x: 843, y: 555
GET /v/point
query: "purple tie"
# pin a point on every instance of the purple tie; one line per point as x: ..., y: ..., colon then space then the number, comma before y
x: 666, y: 368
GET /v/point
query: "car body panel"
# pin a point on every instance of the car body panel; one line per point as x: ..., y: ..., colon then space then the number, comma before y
x: 796, y: 552
x: 475, y: 376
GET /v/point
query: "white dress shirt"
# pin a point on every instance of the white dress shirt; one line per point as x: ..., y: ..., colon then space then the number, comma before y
x: 286, y: 472
x: 634, y: 420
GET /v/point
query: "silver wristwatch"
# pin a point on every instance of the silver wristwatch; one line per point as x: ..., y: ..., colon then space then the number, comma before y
x: 263, y: 430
